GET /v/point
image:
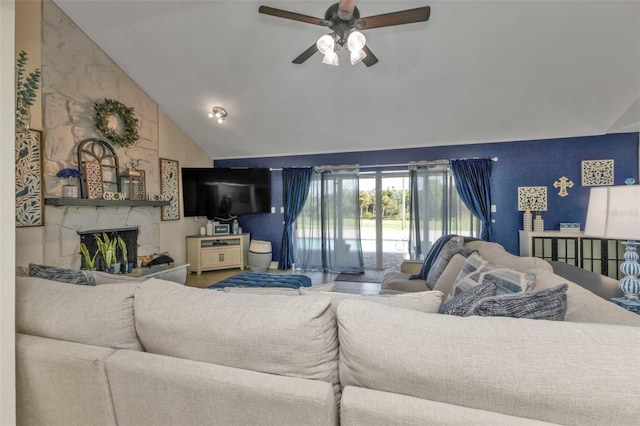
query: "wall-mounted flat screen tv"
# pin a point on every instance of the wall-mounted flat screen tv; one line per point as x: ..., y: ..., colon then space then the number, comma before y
x: 222, y: 192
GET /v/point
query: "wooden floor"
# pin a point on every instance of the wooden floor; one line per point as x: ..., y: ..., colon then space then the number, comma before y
x: 209, y: 278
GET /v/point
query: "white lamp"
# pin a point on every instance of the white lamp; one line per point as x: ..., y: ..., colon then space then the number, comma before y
x: 355, y: 44
x: 614, y: 213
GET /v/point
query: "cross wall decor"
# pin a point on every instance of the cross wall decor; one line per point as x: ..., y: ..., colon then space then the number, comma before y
x: 563, y: 183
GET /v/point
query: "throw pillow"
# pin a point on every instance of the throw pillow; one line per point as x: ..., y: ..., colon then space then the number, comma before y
x: 453, y: 247
x: 432, y: 254
x: 450, y: 273
x: 547, y: 304
x: 462, y: 302
x: 423, y: 301
x: 63, y: 275
x: 477, y: 270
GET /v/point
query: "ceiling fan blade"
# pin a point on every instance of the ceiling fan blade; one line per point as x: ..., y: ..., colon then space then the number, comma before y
x: 293, y: 16
x: 370, y: 59
x: 345, y: 9
x: 306, y: 54
x: 394, y: 18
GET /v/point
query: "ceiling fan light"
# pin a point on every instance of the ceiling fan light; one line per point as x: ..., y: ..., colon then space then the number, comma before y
x: 325, y: 44
x: 330, y: 58
x: 357, y: 56
x: 356, y: 41
x: 219, y: 113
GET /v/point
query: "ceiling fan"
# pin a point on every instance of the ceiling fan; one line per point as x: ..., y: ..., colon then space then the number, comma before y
x: 344, y: 20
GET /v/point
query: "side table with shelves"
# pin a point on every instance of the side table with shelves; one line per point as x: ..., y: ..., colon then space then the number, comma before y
x: 209, y: 253
x: 602, y: 256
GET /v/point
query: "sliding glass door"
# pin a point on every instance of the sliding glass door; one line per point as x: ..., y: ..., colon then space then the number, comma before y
x: 384, y: 221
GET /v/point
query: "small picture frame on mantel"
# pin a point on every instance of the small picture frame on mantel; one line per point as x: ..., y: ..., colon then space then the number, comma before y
x: 93, y: 178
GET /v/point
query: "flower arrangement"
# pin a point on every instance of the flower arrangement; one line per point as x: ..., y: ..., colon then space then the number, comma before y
x: 69, y: 173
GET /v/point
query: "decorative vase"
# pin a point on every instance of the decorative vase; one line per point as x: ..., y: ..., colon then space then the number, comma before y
x: 69, y: 191
x: 127, y: 268
x: 538, y: 223
x: 527, y: 220
x: 116, y: 268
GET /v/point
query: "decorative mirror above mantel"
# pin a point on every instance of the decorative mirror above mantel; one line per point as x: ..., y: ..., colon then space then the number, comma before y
x: 101, y: 170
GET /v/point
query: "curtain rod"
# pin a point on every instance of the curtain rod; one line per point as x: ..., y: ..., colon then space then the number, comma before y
x: 371, y: 166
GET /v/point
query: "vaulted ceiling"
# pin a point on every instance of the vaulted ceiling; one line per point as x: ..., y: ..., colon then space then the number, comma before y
x: 477, y: 71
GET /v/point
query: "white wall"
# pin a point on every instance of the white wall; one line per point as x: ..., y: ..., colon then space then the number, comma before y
x: 7, y: 214
x: 175, y: 145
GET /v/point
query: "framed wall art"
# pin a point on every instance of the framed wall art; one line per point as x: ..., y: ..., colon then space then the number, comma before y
x: 169, y: 170
x: 29, y: 200
x: 93, y: 178
x: 597, y: 172
x: 533, y: 198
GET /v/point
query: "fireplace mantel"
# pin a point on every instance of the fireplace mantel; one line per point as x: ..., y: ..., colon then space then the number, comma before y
x: 84, y: 202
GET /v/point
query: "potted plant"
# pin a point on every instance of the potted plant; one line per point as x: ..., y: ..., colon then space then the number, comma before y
x: 128, y: 266
x: 89, y: 261
x: 69, y: 190
x: 107, y: 249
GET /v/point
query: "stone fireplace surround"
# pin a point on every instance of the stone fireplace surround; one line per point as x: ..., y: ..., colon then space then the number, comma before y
x: 62, y: 244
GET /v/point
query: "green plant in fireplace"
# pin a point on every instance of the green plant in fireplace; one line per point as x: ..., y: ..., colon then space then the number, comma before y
x: 107, y: 247
x: 123, y: 250
x: 89, y: 261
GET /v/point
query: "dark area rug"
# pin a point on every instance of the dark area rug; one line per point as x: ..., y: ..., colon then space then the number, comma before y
x: 369, y: 276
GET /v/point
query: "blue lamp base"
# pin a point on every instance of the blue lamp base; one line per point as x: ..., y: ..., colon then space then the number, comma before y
x: 630, y: 284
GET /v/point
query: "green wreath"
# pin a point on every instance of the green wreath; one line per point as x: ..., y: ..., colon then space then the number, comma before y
x: 110, y: 107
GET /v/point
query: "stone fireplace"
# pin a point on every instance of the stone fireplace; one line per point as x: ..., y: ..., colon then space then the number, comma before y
x: 65, y: 223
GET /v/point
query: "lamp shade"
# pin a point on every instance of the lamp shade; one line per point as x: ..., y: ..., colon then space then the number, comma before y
x: 614, y: 213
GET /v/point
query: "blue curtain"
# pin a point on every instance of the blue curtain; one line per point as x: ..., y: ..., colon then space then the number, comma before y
x: 472, y: 178
x: 295, y: 189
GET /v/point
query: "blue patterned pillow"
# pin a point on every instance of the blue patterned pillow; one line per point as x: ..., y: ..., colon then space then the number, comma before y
x: 547, y: 304
x: 450, y: 249
x: 63, y: 275
x: 462, y: 302
x: 477, y: 270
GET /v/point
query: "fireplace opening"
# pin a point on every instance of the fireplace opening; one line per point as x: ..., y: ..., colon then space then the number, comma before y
x: 129, y: 235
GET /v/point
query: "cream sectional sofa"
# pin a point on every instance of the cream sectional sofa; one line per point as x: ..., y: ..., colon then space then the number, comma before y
x: 160, y: 353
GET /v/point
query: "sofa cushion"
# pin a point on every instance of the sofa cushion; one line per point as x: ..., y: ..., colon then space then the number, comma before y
x: 477, y: 270
x: 106, y: 278
x: 448, y: 277
x: 101, y: 315
x: 423, y: 301
x: 279, y: 290
x: 495, y: 253
x: 63, y: 275
x: 585, y: 306
x: 546, y: 304
x: 452, y: 247
x: 462, y: 302
x: 505, y: 365
x: 393, y: 279
x: 289, y: 336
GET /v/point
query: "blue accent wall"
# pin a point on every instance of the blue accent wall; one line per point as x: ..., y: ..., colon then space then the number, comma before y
x: 523, y: 163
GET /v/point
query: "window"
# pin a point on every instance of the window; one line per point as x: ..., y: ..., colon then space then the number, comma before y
x: 436, y: 209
